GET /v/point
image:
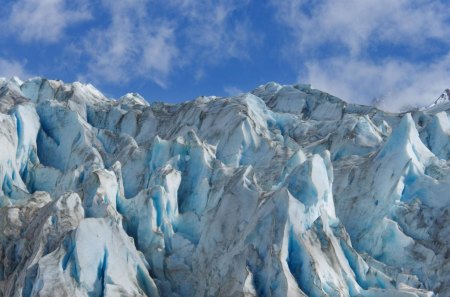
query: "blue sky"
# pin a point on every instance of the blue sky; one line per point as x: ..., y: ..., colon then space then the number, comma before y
x: 175, y: 50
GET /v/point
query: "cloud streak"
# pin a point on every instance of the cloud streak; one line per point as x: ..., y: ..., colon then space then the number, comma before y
x: 141, y: 39
x: 394, y: 84
x: 341, y: 41
x: 10, y: 68
x: 232, y: 90
x: 357, y: 50
x: 131, y: 45
x: 356, y: 25
x: 45, y: 20
x: 140, y: 42
x: 213, y: 30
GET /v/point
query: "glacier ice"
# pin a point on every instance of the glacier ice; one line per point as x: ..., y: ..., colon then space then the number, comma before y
x: 282, y: 191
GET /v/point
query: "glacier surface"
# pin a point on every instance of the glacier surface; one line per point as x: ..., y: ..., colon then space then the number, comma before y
x: 282, y: 191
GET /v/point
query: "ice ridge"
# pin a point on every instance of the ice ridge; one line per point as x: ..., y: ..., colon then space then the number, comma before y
x: 281, y: 191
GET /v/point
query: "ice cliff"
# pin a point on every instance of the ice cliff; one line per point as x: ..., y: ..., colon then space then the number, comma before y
x: 282, y: 191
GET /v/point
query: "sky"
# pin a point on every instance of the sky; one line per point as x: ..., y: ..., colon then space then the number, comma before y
x: 394, y: 53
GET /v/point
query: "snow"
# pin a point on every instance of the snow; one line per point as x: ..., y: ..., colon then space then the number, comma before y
x: 284, y: 191
x: 133, y: 99
x: 439, y: 135
x: 441, y: 103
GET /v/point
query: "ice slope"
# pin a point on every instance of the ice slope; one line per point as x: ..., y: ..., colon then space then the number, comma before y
x: 441, y: 103
x: 283, y: 191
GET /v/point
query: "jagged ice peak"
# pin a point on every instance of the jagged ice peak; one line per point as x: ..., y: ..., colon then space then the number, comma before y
x: 281, y: 191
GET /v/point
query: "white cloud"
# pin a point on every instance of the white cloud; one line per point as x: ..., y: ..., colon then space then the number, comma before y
x: 335, y: 37
x: 142, y: 41
x: 10, y: 68
x: 398, y: 83
x: 357, y: 24
x: 214, y: 29
x: 45, y: 20
x: 232, y: 90
x: 131, y: 45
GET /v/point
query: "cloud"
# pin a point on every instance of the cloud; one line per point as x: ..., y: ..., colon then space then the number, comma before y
x: 366, y: 50
x: 135, y: 39
x: 395, y: 84
x: 232, y: 90
x: 132, y: 45
x: 356, y: 25
x: 151, y: 39
x: 213, y: 30
x: 10, y: 68
x: 45, y: 20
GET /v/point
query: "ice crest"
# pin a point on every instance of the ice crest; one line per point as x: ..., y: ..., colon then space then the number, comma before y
x: 283, y: 191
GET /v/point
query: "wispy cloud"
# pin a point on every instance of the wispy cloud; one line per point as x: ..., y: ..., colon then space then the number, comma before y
x: 232, y: 90
x: 358, y: 50
x: 140, y: 41
x: 340, y: 42
x: 45, y: 20
x: 397, y: 83
x: 357, y: 25
x: 134, y: 39
x: 213, y: 30
x: 132, y: 45
x: 10, y: 68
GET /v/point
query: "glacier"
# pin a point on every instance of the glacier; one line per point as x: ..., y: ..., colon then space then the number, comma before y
x: 281, y: 191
